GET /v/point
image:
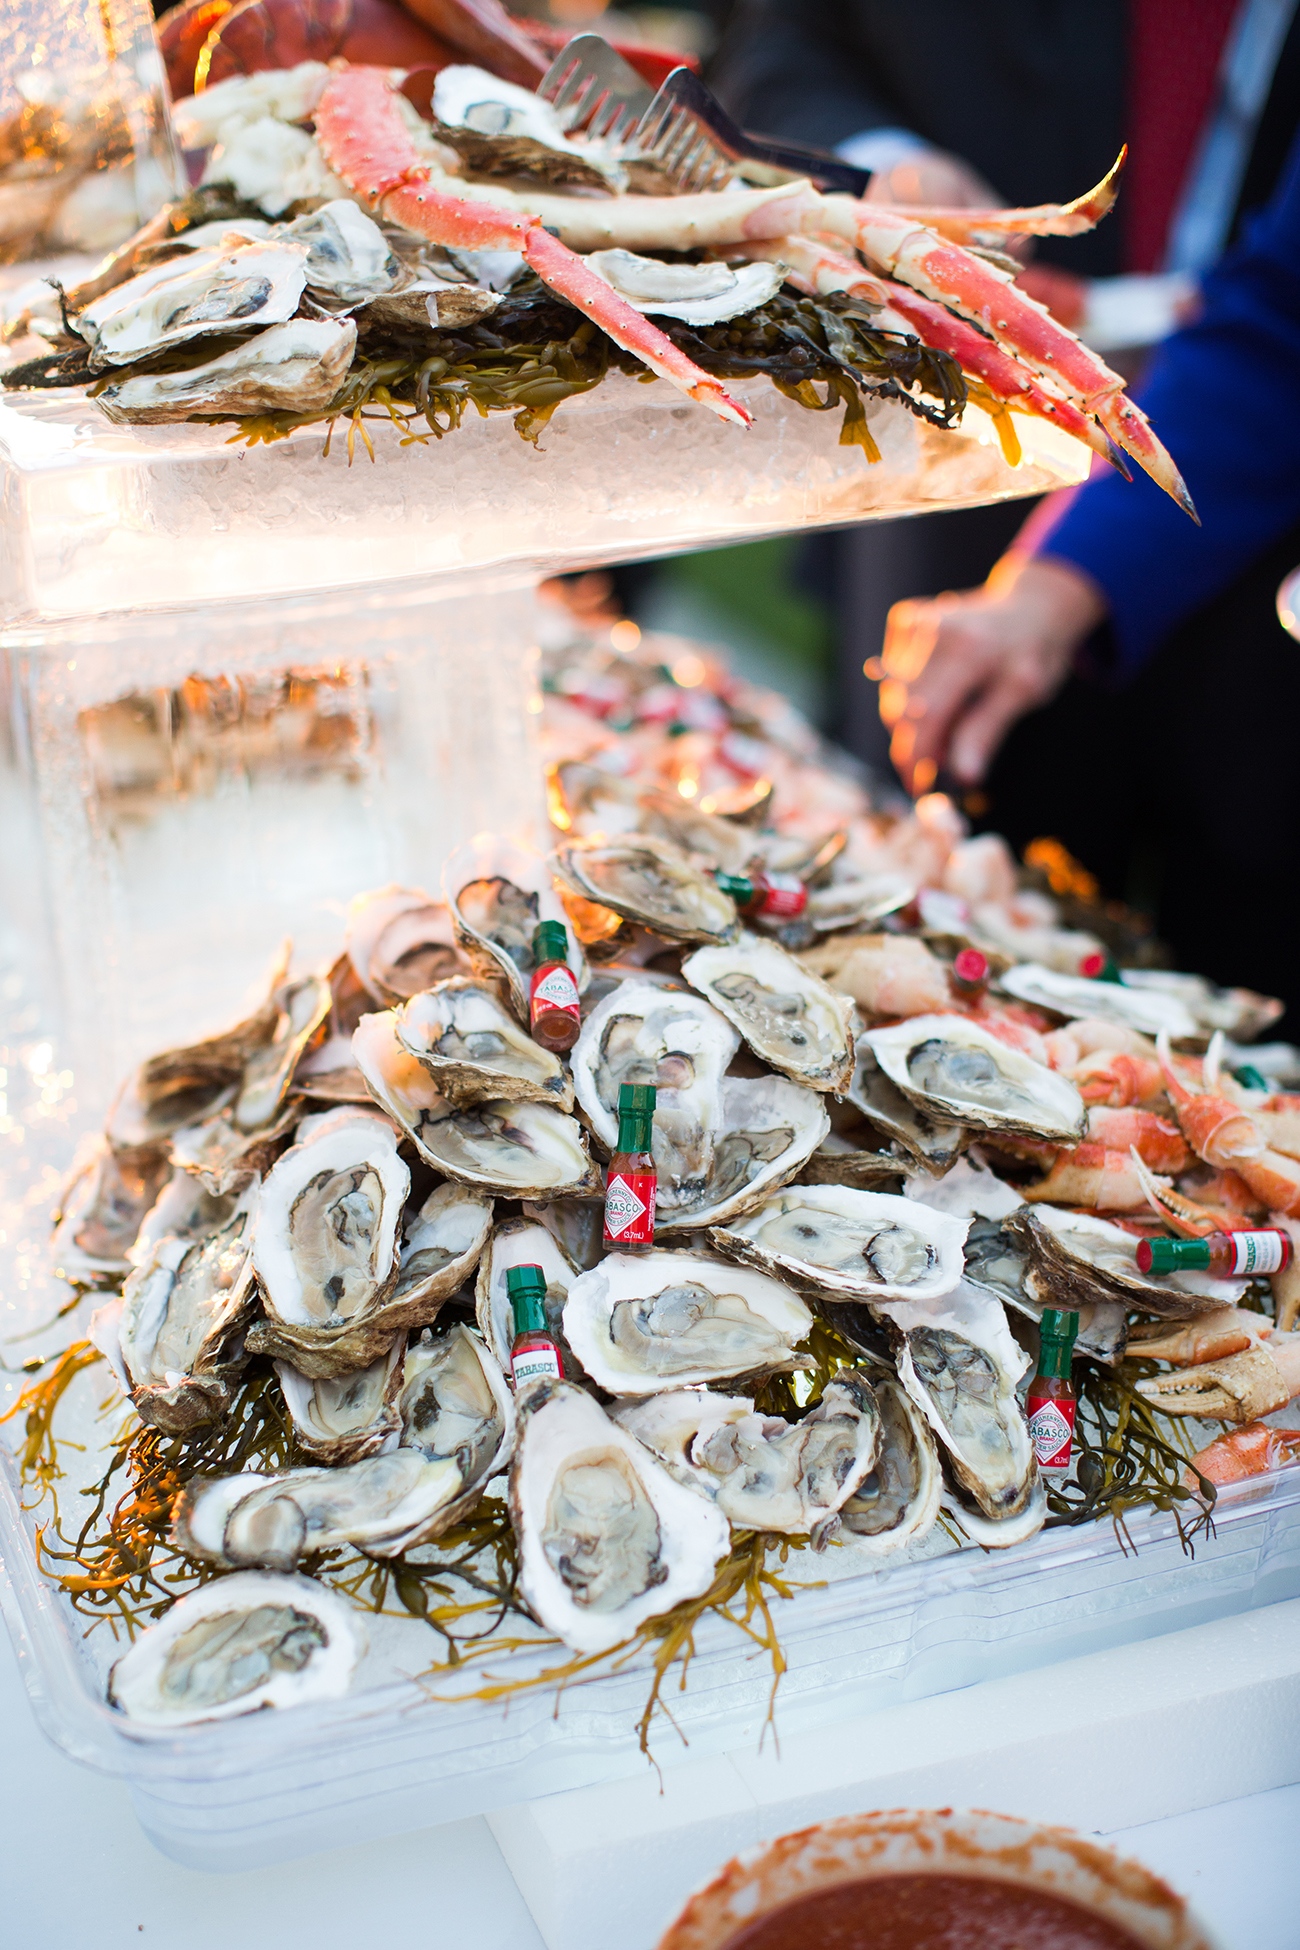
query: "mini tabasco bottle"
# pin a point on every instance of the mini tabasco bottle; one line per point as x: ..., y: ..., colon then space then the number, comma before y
x: 533, y: 1352
x: 970, y: 973
x: 1050, y: 1404
x: 554, y: 1009
x: 1228, y: 1255
x: 765, y: 896
x: 630, y: 1182
x: 1100, y: 968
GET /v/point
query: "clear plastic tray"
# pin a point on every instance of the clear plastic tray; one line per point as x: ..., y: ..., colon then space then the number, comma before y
x: 261, y: 1789
x: 104, y: 518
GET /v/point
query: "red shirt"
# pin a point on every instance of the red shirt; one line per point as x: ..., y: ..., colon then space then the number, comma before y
x: 1174, y: 52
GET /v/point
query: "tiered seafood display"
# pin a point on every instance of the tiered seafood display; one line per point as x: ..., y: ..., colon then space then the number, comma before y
x: 367, y: 245
x: 872, y: 1181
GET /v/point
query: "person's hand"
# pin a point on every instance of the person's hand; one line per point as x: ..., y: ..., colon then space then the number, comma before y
x: 958, y: 670
x: 934, y: 178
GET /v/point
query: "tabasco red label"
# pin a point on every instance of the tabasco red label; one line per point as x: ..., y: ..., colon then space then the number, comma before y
x: 555, y: 988
x: 1051, y: 1430
x: 784, y: 896
x: 630, y: 1208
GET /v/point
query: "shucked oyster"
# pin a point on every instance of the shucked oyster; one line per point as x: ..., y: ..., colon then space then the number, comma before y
x: 650, y: 881
x: 935, y: 1144
x: 498, y: 893
x: 953, y: 1068
x: 644, y: 1033
x: 699, y: 294
x: 325, y: 1246
x: 764, y: 1473
x: 1080, y: 1257
x: 607, y: 1539
x: 640, y: 1323
x: 174, y: 1337
x: 897, y: 1502
x: 787, y: 1016
x: 960, y: 1365
x: 189, y: 297
x: 340, y: 1420
x: 236, y: 1645
x: 499, y: 129
x: 770, y: 1128
x: 473, y: 1050
x: 866, y: 1245
x: 522, y: 1150
x: 441, y: 1244
x: 296, y: 367
x: 457, y: 1426
x: 399, y: 942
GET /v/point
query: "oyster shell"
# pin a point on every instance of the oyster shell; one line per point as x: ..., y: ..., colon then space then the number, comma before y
x: 960, y: 1365
x: 473, y: 1050
x: 296, y: 367
x: 340, y: 1420
x: 497, y: 894
x: 1146, y: 1010
x: 348, y: 258
x: 952, y: 1067
x: 934, y: 1144
x: 522, y: 1150
x: 650, y: 881
x: 182, y: 1309
x: 499, y: 129
x: 184, y: 1209
x: 996, y: 1533
x: 236, y: 1645
x: 521, y: 1242
x: 789, y: 1018
x: 400, y: 942
x: 102, y: 1208
x: 607, y: 1539
x: 223, y: 1159
x: 865, y: 1245
x: 457, y: 1427
x: 770, y: 1129
x: 325, y: 1246
x: 641, y: 1323
x: 700, y: 294
x: 269, y: 1071
x: 441, y: 1244
x: 897, y: 1502
x: 764, y: 1473
x: 206, y: 291
x: 1081, y: 1258
x: 644, y: 1033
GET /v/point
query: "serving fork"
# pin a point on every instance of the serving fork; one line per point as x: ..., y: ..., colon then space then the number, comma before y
x: 683, y: 130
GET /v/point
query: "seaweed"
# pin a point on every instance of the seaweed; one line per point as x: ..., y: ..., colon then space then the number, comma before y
x: 1123, y: 1459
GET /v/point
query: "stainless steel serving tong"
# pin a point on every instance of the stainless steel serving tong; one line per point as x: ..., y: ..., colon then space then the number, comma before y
x: 682, y: 129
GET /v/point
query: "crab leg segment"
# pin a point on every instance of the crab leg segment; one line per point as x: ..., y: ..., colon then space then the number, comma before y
x: 1040, y: 220
x: 362, y: 136
x: 979, y: 291
x: 818, y: 268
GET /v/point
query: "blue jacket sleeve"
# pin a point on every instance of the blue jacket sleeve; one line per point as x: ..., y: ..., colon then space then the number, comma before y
x: 1224, y: 396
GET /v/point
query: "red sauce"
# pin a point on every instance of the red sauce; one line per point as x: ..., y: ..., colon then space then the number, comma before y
x: 932, y: 1912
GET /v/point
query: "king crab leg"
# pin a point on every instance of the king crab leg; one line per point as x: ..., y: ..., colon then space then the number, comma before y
x: 365, y: 142
x: 819, y: 268
x: 1039, y: 220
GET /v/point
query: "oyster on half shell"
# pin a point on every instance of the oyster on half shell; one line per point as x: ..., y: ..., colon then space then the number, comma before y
x: 500, y: 129
x: 864, y: 1245
x: 339, y: 1420
x: 457, y: 1423
x: 236, y: 1645
x: 898, y: 1500
x: 1079, y: 1257
x: 325, y: 1246
x: 607, y: 1539
x: 645, y: 1033
x: 770, y: 1128
x: 640, y: 1323
x: 935, y: 1144
x: 399, y: 941
x: 788, y: 1017
x: 762, y: 1472
x: 955, y: 1069
x: 497, y: 893
x: 649, y: 881
x: 441, y: 1244
x: 699, y: 294
x: 473, y: 1050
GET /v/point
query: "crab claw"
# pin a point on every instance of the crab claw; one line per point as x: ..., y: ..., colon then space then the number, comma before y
x: 1217, y: 1130
x: 1039, y: 220
x: 1130, y: 428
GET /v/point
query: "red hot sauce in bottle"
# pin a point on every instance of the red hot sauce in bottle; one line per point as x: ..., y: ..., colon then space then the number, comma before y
x: 1050, y: 1404
x: 1227, y: 1255
x: 554, y: 1010
x: 533, y: 1353
x: 631, y: 1179
x: 765, y: 896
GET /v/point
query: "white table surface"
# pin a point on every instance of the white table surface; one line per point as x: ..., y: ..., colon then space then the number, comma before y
x: 76, y: 1869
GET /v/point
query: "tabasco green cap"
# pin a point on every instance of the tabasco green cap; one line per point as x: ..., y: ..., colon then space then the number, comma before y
x: 550, y: 943
x: 525, y: 1283
x: 1171, y: 1255
x: 1058, y: 1325
x: 736, y: 885
x: 1250, y: 1078
x: 636, y: 1097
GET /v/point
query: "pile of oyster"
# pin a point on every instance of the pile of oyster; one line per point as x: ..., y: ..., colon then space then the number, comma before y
x: 339, y: 1185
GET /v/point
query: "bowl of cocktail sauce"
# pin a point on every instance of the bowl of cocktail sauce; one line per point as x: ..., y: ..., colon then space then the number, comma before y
x: 933, y: 1879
